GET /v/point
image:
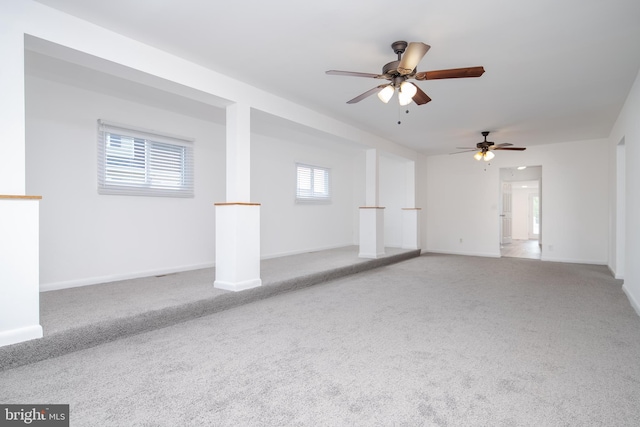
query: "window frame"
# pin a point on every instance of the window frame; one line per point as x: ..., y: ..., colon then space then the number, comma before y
x: 157, y: 164
x: 313, y: 195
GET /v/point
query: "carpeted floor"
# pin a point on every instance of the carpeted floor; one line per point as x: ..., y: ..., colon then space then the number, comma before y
x: 435, y: 340
x: 78, y: 318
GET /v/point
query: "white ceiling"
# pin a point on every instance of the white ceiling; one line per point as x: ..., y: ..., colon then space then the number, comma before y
x: 556, y: 71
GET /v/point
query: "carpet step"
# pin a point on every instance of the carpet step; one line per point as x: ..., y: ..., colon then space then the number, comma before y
x: 75, y: 339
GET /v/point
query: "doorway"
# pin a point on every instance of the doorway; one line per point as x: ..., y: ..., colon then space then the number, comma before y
x: 520, y: 212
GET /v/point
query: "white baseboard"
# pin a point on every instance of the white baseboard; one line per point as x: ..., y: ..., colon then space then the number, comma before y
x: 573, y: 261
x: 371, y: 255
x: 614, y: 274
x: 15, y: 336
x: 239, y: 286
x: 44, y: 287
x: 634, y: 302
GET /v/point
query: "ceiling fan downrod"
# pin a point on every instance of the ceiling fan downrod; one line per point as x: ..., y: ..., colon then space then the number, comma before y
x: 399, y: 47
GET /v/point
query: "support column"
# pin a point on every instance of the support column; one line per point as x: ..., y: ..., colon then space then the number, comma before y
x: 371, y: 232
x: 411, y: 228
x: 237, y: 219
x: 12, y: 107
x: 19, y: 269
x: 410, y: 215
x: 371, y: 215
x: 237, y: 246
x: 19, y: 214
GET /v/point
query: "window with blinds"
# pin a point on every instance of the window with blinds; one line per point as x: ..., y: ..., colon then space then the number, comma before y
x: 143, y: 163
x: 312, y: 184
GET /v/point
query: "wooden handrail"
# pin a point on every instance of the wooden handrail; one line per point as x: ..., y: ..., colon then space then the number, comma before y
x: 372, y: 207
x: 16, y: 197
x: 236, y: 204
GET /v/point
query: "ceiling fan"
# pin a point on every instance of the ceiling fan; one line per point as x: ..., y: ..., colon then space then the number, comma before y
x: 403, y: 69
x: 486, y: 148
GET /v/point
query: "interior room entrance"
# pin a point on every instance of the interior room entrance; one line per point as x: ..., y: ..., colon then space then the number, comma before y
x: 520, y: 212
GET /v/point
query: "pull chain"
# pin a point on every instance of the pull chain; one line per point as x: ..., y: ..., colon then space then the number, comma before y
x: 399, y: 114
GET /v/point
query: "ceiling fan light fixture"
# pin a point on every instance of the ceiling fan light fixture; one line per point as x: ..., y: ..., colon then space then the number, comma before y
x: 478, y: 156
x: 404, y: 99
x: 488, y: 156
x: 408, y: 89
x: 406, y: 93
x: 386, y: 93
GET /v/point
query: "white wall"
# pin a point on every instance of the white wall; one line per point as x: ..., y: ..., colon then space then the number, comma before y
x: 462, y: 204
x: 462, y: 201
x: 288, y: 227
x: 628, y: 127
x: 81, y: 231
x: 89, y: 238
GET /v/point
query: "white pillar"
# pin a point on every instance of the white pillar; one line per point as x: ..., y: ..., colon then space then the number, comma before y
x: 19, y: 269
x: 12, y: 104
x: 238, y: 153
x: 410, y: 183
x: 410, y: 214
x: 238, y: 220
x: 19, y: 214
x: 371, y: 232
x: 237, y: 246
x: 372, y: 171
x: 411, y: 228
x: 371, y: 215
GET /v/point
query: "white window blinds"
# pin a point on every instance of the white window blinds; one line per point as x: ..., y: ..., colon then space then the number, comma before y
x: 312, y: 183
x: 143, y: 163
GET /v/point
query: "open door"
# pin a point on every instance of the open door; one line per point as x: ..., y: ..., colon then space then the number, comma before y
x: 505, y: 214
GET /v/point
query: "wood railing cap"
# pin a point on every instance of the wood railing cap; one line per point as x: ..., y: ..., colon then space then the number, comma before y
x: 236, y: 204
x: 18, y: 197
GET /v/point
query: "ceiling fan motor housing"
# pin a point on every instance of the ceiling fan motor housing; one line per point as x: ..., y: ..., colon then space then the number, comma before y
x: 484, y: 144
x: 391, y: 68
x: 399, y: 47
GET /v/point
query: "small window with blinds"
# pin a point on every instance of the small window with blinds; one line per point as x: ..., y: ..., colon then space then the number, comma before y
x: 143, y: 163
x: 312, y: 184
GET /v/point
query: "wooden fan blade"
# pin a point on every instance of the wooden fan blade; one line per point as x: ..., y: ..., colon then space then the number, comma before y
x: 411, y: 56
x: 366, y: 94
x: 465, y: 151
x: 499, y: 146
x: 353, y: 74
x: 467, y: 148
x: 511, y: 148
x: 420, y: 97
x: 454, y: 73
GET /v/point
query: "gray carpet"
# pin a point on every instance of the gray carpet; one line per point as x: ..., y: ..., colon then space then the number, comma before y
x: 78, y: 318
x: 434, y: 340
